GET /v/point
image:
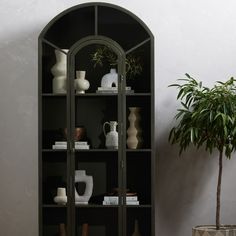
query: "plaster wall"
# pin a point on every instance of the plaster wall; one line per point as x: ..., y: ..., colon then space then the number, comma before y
x: 197, y: 37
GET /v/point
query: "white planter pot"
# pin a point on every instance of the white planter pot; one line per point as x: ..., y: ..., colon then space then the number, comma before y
x: 210, y: 230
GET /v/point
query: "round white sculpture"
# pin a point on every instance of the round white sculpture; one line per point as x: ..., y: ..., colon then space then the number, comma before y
x: 110, y: 79
x: 61, y: 198
x: 80, y: 176
x: 59, y: 71
x: 81, y: 84
x: 112, y: 135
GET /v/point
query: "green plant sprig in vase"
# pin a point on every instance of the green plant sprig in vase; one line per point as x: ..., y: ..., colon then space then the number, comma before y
x: 103, y: 54
x: 207, y: 118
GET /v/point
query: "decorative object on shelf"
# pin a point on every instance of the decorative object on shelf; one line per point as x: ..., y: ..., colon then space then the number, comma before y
x: 79, y: 133
x: 62, y: 229
x: 80, y: 176
x: 59, y: 71
x: 112, y: 135
x: 105, y: 55
x: 61, y: 198
x: 110, y: 80
x: 136, y: 229
x: 114, y: 200
x: 134, y: 131
x: 85, y: 229
x: 81, y: 84
x: 113, y: 90
x: 63, y: 145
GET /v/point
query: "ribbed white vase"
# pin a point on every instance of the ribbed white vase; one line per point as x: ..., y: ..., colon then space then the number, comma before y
x: 134, y: 139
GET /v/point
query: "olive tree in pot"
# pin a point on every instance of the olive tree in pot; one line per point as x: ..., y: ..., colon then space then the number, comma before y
x: 207, y: 118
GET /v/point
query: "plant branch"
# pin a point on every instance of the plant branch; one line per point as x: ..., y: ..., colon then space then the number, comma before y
x: 218, y: 192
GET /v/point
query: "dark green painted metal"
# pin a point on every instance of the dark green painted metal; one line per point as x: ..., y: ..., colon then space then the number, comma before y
x: 121, y: 115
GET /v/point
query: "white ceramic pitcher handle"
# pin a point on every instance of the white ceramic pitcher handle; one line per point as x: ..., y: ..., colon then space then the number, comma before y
x: 104, y: 125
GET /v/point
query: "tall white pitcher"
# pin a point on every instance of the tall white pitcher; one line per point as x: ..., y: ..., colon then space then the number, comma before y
x: 112, y: 135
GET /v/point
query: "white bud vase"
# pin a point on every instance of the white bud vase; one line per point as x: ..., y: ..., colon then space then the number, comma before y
x: 59, y: 71
x: 80, y: 176
x: 81, y: 84
x: 61, y: 198
x: 134, y: 139
x: 110, y: 79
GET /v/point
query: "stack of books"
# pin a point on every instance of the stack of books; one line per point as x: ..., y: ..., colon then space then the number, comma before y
x: 63, y: 145
x: 112, y: 90
x: 114, y: 200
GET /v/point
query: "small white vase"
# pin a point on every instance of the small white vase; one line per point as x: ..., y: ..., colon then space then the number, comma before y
x: 59, y: 71
x: 80, y: 176
x: 112, y: 135
x: 61, y: 198
x: 134, y: 139
x: 81, y: 84
x: 110, y: 79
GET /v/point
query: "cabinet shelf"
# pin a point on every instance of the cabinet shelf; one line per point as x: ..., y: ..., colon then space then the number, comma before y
x: 54, y: 206
x: 53, y: 95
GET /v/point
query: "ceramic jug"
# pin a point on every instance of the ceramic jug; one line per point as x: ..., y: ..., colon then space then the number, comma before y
x: 112, y: 135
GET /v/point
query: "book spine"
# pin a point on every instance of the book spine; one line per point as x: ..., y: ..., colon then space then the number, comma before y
x: 128, y: 198
x: 59, y: 146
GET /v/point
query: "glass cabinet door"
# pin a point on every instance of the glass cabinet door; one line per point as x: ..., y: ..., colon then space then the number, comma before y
x: 95, y: 140
x: 53, y: 150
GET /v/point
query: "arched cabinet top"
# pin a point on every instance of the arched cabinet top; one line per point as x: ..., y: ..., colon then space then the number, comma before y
x: 98, y: 19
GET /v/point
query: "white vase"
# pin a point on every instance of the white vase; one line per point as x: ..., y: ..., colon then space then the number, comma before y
x: 59, y: 71
x: 80, y: 176
x: 110, y: 79
x: 134, y: 139
x: 81, y: 84
x: 112, y: 135
x: 61, y: 198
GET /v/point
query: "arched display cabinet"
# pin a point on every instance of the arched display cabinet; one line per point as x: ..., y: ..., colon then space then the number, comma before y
x: 83, y: 30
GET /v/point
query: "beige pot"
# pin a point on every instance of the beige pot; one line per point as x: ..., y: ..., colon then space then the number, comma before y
x: 210, y: 230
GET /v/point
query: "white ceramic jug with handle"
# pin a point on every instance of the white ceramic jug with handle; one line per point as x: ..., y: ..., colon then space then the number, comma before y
x: 112, y: 135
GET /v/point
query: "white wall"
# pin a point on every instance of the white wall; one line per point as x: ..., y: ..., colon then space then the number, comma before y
x: 197, y: 37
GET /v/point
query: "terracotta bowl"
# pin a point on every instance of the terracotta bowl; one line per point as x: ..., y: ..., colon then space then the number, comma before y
x: 79, y: 134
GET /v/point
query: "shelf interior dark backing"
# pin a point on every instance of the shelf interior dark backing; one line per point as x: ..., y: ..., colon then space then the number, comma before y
x: 143, y: 216
x: 103, y: 167
x: 121, y: 27
x: 72, y: 27
x: 92, y: 112
x: 103, y: 226
x: 54, y: 176
x: 138, y: 166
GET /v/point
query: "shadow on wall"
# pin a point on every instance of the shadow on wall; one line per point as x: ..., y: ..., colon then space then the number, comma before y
x: 181, y: 182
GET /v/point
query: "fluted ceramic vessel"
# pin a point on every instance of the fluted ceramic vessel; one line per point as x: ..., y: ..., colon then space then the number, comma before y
x: 134, y: 131
x: 59, y: 71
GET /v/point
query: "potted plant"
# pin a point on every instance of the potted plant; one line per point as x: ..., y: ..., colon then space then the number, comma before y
x: 207, y: 118
x: 103, y: 54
